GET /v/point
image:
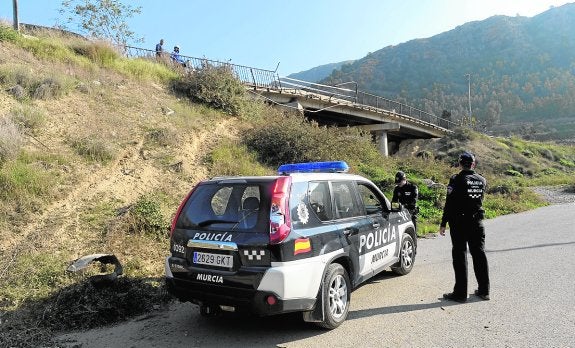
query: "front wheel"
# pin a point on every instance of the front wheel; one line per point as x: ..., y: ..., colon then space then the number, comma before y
x: 406, y: 256
x: 336, y: 292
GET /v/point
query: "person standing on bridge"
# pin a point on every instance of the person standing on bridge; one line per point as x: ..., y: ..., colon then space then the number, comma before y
x: 160, y: 48
x: 464, y: 213
x: 406, y: 193
x: 176, y: 57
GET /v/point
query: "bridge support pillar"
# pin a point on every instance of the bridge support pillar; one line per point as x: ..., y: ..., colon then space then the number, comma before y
x: 380, y: 131
x: 295, y: 105
x: 381, y: 138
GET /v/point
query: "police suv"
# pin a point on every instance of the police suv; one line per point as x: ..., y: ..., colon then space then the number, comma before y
x: 299, y: 241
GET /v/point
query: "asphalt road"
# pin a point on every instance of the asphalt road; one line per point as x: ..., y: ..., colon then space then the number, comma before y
x: 532, y: 267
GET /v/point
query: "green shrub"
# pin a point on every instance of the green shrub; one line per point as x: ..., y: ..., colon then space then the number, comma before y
x: 512, y: 172
x: 496, y: 205
x: 8, y: 34
x: 527, y: 153
x: 214, y: 86
x: 93, y: 149
x: 98, y: 52
x: 567, y: 163
x: 145, y: 69
x: 234, y: 159
x: 291, y: 138
x: 434, y: 195
x: 19, y: 180
x: 550, y: 171
x: 429, y: 211
x: 146, y: 217
x: 463, y: 134
x: 49, y: 48
x: 382, y: 176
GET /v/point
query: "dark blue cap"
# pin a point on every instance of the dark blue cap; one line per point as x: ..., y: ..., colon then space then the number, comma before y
x: 466, y: 158
x: 399, y: 176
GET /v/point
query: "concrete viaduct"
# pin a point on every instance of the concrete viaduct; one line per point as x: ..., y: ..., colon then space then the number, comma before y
x: 389, y: 121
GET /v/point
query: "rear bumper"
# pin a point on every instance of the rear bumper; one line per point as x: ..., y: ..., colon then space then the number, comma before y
x: 254, y: 301
x: 188, y: 289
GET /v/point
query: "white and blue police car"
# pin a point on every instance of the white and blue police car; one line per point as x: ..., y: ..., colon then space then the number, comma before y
x: 299, y: 241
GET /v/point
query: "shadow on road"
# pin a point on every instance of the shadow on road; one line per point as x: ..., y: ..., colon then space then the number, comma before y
x: 362, y: 313
x: 529, y: 247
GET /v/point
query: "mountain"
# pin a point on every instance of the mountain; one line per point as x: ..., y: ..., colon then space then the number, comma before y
x: 521, y: 69
x: 319, y: 72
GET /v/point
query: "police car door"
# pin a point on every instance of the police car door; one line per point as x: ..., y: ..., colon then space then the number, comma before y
x: 380, y: 245
x: 353, y: 224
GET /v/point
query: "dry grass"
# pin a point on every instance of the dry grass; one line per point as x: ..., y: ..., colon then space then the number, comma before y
x: 11, y: 140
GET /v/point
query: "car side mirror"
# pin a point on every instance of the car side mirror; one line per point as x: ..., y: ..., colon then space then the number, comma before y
x: 396, y: 207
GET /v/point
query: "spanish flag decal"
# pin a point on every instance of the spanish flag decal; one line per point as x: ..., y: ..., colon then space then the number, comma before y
x: 302, y: 245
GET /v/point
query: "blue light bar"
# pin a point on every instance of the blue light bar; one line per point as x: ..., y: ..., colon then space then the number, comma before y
x: 314, y: 167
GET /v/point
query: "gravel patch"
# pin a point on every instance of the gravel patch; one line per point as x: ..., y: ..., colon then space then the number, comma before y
x: 555, y: 194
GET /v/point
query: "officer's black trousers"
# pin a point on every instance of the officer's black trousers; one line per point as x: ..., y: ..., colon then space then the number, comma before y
x: 468, y: 232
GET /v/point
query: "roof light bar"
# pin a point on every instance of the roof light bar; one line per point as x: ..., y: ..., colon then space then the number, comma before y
x: 314, y: 167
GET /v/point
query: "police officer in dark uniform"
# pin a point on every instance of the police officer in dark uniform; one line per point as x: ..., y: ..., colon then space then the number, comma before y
x: 406, y: 193
x: 464, y: 213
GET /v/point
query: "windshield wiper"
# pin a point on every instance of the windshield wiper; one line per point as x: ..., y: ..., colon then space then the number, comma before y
x: 215, y: 221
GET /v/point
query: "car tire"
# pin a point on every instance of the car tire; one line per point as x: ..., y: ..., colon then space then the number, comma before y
x: 336, y: 292
x: 406, y: 256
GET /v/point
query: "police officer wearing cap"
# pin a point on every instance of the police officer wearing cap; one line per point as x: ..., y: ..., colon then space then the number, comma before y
x: 464, y: 213
x: 406, y: 193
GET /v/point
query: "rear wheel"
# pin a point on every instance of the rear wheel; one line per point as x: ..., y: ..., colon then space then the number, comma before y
x: 336, y: 292
x: 406, y: 256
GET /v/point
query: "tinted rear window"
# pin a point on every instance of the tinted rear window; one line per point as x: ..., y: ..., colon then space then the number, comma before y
x: 227, y: 206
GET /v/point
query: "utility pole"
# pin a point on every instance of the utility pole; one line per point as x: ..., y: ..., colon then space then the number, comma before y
x: 16, y: 23
x: 469, y: 92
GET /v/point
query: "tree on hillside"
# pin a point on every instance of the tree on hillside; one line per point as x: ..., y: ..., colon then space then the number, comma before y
x: 103, y: 19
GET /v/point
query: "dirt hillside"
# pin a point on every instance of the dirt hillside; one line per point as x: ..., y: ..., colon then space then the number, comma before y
x: 120, y: 112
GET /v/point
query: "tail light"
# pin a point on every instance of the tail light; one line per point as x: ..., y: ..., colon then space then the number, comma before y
x: 280, y: 222
x: 175, y: 220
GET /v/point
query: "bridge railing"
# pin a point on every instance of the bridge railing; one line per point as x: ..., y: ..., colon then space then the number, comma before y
x: 261, y: 78
x: 254, y: 77
x: 363, y: 98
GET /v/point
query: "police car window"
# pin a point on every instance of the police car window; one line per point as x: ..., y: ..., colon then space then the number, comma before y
x: 346, y: 204
x: 371, y: 199
x: 227, y: 207
x: 306, y: 211
x: 249, y: 208
x: 319, y: 200
x: 250, y: 197
x: 220, y: 200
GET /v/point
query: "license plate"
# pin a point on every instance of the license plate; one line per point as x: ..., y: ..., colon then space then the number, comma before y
x: 209, y: 259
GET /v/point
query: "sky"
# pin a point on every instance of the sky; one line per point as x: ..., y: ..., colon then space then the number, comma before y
x: 290, y: 35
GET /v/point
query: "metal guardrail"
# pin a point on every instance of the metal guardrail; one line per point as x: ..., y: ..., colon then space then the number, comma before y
x: 261, y: 78
x: 363, y: 98
x: 254, y: 77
